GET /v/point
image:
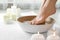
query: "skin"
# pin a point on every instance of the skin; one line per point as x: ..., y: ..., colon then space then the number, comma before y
x: 47, y: 8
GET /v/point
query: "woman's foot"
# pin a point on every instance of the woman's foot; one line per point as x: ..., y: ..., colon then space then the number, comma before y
x: 47, y: 10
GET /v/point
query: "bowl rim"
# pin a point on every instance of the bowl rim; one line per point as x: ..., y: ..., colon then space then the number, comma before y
x: 35, y: 16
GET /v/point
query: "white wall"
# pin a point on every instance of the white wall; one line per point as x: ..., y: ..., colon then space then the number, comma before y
x: 3, y: 1
x: 32, y: 1
x: 25, y: 1
x: 28, y: 1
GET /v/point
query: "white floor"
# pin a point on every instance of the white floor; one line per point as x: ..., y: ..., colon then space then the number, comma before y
x: 14, y: 31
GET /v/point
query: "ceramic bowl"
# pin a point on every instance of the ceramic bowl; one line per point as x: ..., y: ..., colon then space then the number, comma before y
x: 44, y: 27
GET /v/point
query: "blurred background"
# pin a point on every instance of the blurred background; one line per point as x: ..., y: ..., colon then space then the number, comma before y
x: 23, y: 4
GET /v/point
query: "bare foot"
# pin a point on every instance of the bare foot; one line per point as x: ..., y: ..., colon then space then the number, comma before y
x: 47, y: 10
